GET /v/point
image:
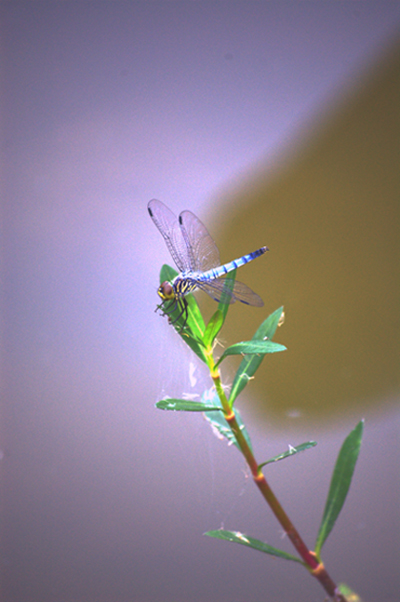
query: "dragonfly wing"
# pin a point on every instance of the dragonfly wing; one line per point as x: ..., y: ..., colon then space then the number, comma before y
x: 202, y: 249
x: 240, y: 292
x: 170, y: 228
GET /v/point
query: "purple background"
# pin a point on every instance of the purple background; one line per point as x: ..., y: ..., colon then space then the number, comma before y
x: 106, y: 105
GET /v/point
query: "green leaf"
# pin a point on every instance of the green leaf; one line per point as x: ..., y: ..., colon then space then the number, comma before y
x: 218, y: 319
x: 250, y: 542
x: 226, y: 298
x: 185, y: 405
x: 291, y: 452
x: 251, y: 348
x: 213, y: 328
x: 250, y: 363
x: 340, y: 483
x: 192, y: 331
x: 218, y: 422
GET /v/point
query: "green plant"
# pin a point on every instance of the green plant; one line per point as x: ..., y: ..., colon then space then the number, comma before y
x: 220, y: 412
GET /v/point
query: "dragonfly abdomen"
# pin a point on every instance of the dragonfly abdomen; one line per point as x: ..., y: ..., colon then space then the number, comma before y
x: 232, y: 265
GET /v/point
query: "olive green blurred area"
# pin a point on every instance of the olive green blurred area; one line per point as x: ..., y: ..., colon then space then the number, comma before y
x: 329, y: 212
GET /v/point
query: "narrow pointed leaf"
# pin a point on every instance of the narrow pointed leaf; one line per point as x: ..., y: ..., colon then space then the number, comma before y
x: 218, y: 422
x: 250, y: 542
x: 291, y: 452
x: 250, y: 363
x: 224, y: 303
x: 340, y: 483
x: 185, y: 405
x: 213, y: 328
x: 218, y: 319
x: 192, y: 332
x: 251, y: 348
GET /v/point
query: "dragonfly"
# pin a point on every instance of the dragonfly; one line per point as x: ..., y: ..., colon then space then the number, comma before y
x: 197, y: 258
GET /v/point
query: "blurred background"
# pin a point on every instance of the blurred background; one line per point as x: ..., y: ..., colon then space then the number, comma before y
x: 276, y: 123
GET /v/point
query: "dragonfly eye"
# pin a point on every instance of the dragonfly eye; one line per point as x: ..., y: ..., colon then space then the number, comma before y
x: 166, y: 291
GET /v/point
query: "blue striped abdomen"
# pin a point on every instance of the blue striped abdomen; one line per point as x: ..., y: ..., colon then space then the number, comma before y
x: 232, y: 265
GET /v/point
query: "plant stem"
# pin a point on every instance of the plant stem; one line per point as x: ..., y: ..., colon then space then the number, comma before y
x: 315, y: 567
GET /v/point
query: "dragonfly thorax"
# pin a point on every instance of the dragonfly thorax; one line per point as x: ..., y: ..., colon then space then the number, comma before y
x: 184, y: 283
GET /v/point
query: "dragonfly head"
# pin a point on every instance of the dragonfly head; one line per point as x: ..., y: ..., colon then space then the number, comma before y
x: 166, y: 291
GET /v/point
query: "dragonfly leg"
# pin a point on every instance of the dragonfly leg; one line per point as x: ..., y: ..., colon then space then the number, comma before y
x: 183, y: 306
x: 185, y: 312
x: 168, y: 307
x: 180, y: 304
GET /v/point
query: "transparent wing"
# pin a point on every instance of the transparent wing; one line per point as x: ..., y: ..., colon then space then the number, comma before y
x: 240, y: 292
x: 169, y: 226
x: 202, y: 249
